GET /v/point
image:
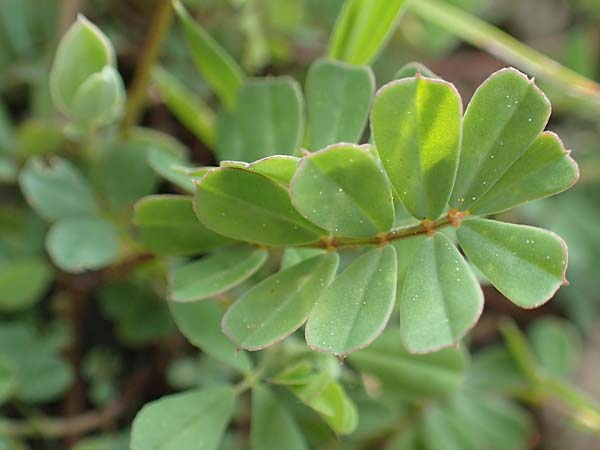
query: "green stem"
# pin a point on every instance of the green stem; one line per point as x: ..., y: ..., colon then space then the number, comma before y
x: 500, y: 44
x: 136, y: 94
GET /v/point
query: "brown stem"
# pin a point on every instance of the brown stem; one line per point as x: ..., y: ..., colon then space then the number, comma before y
x: 136, y: 94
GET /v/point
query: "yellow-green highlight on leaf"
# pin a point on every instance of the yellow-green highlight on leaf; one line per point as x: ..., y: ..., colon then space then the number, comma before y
x: 524, y: 263
x: 189, y: 420
x: 272, y: 425
x: 338, y: 98
x: 279, y: 305
x: 167, y: 225
x: 280, y: 168
x: 248, y: 206
x: 214, y: 274
x: 363, y: 28
x: 344, y: 190
x: 416, y: 126
x: 355, y: 308
x: 411, y: 69
x: 217, y: 67
x: 441, y: 299
x: 545, y: 169
x: 504, y: 117
x: 188, y: 107
x: 84, y: 50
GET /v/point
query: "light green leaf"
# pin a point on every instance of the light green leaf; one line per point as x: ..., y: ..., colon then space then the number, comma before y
x: 411, y: 69
x: 293, y: 255
x: 280, y: 304
x: 214, y: 274
x: 280, y: 168
x: 82, y: 243
x: 23, y: 282
x: 168, y: 226
x: 273, y: 427
x: 83, y: 51
x: 192, y: 420
x: 416, y: 128
x: 188, y: 107
x: 269, y: 119
x: 544, y: 169
x: 407, y: 375
x: 363, y: 28
x: 172, y: 167
x: 56, y: 190
x: 229, y: 143
x: 338, y: 97
x: 325, y: 191
x: 247, y: 206
x: 406, y: 250
x: 217, y: 67
x: 526, y: 264
x: 200, y: 323
x: 504, y: 117
x: 556, y: 344
x: 356, y: 307
x: 39, y: 137
x: 441, y: 299
x: 100, y: 98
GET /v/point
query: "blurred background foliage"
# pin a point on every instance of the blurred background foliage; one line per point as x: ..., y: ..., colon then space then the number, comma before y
x: 85, y: 335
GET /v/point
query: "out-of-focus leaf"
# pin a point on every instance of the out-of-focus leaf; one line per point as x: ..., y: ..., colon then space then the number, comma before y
x: 216, y: 66
x: 525, y: 264
x: 247, y: 206
x: 338, y: 97
x: 22, y: 283
x: 8, y: 379
x: 168, y: 226
x: 356, y: 307
x: 441, y: 299
x: 100, y: 99
x: 412, y: 69
x: 200, y: 323
x: 214, y: 274
x: 56, y: 190
x: 38, y: 137
x: 193, y: 420
x: 82, y: 243
x: 280, y: 304
x: 416, y: 124
x: 325, y: 191
x: 363, y: 28
x: 556, y: 345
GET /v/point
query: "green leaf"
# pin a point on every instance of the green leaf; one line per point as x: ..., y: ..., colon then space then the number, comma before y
x: 325, y: 191
x: 247, y: 206
x: 100, y: 99
x: 269, y: 119
x: 139, y: 315
x: 39, y: 137
x: 229, y: 144
x: 338, y: 97
x: 544, y: 169
x: 441, y: 299
x: 168, y: 226
x: 363, y: 28
x: 82, y: 243
x: 280, y: 168
x: 504, y: 117
x: 217, y: 67
x: 192, y: 420
x: 407, y: 375
x: 23, y: 282
x: 188, y: 107
x: 356, y: 307
x: 56, y: 190
x: 172, y: 167
x: 83, y: 51
x: 280, y: 304
x: 411, y: 69
x: 273, y: 427
x: 416, y: 128
x: 8, y: 379
x: 214, y: 274
x: 200, y: 323
x: 122, y: 174
x: 556, y: 344
x: 526, y: 264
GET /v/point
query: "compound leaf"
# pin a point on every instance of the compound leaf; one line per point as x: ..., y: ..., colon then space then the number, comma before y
x: 441, y: 299
x: 524, y: 263
x: 416, y: 125
x: 280, y: 304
